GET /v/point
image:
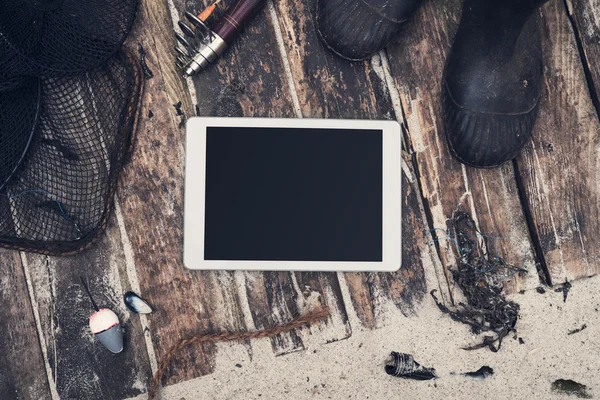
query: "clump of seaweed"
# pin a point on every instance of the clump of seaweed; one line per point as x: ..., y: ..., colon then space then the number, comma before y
x: 571, y: 388
x: 565, y: 289
x: 480, y: 276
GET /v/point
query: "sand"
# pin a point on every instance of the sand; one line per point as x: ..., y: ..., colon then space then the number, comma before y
x: 354, y: 368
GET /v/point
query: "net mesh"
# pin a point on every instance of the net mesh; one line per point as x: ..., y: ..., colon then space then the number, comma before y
x: 19, y: 111
x: 75, y: 37
x: 66, y: 121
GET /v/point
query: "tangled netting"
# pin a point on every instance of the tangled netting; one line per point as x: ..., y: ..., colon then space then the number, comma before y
x: 68, y: 105
x: 71, y: 37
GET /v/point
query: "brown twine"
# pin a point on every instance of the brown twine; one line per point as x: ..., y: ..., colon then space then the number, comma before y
x: 312, y: 316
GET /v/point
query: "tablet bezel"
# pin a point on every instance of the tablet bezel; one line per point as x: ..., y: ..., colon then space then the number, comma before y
x: 194, y: 208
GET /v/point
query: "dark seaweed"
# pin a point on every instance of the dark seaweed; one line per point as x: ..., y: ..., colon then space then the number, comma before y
x: 480, y: 277
x: 540, y: 290
x: 574, y: 331
x: 570, y: 387
x: 148, y: 74
x: 481, y: 373
x: 565, y: 288
x: 404, y: 366
x: 180, y: 113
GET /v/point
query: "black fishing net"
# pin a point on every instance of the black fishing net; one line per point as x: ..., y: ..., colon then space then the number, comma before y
x: 19, y: 109
x: 50, y: 37
x: 68, y: 104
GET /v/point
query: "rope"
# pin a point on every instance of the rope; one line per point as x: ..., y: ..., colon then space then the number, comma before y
x: 312, y: 316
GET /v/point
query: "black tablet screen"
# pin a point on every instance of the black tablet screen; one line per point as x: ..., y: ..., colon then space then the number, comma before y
x: 293, y: 194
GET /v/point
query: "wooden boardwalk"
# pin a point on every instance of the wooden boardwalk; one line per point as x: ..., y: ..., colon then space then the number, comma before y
x: 545, y: 206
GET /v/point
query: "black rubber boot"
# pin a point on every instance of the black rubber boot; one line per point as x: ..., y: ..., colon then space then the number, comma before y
x: 357, y: 29
x: 492, y: 81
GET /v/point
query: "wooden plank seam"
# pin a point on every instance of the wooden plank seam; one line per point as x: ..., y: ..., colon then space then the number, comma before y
x: 38, y: 324
x: 439, y: 273
x: 284, y: 58
x: 134, y: 282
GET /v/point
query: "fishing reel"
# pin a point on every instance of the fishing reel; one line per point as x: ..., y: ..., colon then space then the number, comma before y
x: 203, y: 45
x: 200, y: 45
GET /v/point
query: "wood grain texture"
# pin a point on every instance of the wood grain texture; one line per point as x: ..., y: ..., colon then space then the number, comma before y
x: 151, y: 194
x: 330, y: 87
x: 81, y: 367
x: 22, y: 372
x: 249, y: 80
x: 327, y: 85
x: 407, y: 286
x: 272, y: 300
x: 585, y: 16
x: 417, y: 59
x: 560, y: 167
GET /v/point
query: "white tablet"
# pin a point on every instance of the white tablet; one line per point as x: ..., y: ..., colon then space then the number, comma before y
x: 292, y: 194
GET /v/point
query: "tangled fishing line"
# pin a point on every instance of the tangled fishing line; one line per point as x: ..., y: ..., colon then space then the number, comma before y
x: 481, y: 277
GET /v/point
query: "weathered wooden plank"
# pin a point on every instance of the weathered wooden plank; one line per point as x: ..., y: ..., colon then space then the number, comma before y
x: 330, y: 87
x: 323, y: 289
x: 250, y: 81
x: 151, y: 195
x: 417, y: 60
x: 585, y: 16
x: 272, y: 301
x: 560, y: 167
x: 406, y: 286
x: 81, y: 367
x: 22, y: 371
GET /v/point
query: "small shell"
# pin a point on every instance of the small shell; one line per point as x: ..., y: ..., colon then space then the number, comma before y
x: 136, y: 304
x: 404, y: 366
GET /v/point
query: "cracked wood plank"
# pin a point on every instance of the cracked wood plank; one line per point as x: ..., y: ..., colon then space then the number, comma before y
x: 189, y: 302
x: 417, y: 59
x: 151, y: 193
x: 330, y: 87
x: 22, y: 370
x: 80, y: 366
x: 585, y: 16
x: 249, y: 80
x: 560, y: 167
x: 246, y: 81
x: 407, y: 286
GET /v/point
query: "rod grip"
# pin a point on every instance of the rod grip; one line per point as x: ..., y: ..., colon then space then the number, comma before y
x: 232, y: 22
